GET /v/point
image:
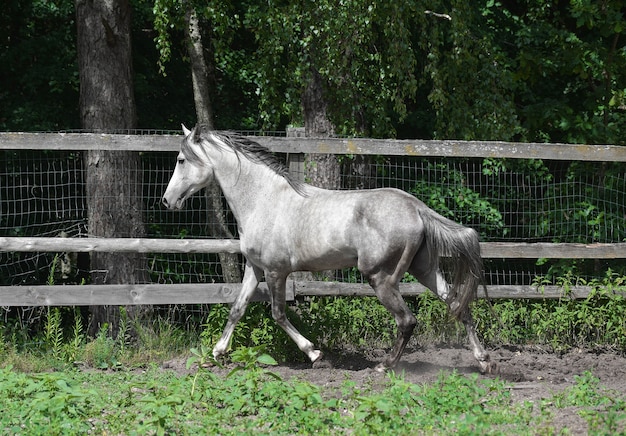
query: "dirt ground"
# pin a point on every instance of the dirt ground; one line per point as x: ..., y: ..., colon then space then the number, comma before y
x: 533, y: 374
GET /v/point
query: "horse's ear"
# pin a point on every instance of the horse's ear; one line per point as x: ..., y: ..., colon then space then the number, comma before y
x: 186, y: 131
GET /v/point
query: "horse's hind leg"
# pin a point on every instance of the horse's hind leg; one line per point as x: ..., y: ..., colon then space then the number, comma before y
x: 277, y: 284
x: 251, y: 279
x: 486, y: 365
x: 389, y: 295
x: 435, y: 281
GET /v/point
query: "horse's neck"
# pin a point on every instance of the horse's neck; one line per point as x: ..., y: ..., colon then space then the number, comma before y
x: 251, y: 189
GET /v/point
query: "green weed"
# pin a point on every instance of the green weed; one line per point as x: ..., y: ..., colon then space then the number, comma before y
x: 53, y: 333
x: 252, y: 399
x: 589, y: 397
x: 256, y: 328
x: 101, y: 353
x: 77, y: 339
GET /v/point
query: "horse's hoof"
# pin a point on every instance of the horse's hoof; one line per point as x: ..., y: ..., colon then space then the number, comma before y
x: 315, y: 356
x: 381, y: 368
x: 488, y: 367
x: 322, y: 364
x: 218, y: 352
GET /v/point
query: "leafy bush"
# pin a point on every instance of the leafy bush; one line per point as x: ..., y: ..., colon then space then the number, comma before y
x: 451, y: 196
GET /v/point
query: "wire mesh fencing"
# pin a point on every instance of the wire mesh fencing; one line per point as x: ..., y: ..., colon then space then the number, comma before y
x: 43, y: 193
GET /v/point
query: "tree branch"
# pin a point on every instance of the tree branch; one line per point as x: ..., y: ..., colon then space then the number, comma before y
x: 442, y: 16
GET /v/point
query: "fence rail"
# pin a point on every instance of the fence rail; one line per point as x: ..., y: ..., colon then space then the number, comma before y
x: 71, y: 295
x: 118, y: 245
x: 213, y: 293
x: 391, y: 147
x: 492, y: 250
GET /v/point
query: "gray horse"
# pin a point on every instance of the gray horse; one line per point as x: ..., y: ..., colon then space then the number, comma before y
x: 286, y: 226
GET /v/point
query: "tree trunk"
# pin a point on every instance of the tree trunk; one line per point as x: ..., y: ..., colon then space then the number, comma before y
x: 113, y: 177
x: 322, y: 170
x: 217, y: 227
x: 359, y: 173
x: 199, y: 68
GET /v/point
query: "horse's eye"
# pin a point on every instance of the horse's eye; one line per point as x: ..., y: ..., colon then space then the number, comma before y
x: 181, y: 161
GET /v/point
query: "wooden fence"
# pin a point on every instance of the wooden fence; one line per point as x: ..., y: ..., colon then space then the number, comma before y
x: 76, y: 295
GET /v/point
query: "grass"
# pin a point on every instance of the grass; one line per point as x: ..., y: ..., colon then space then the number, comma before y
x: 57, y: 380
x: 251, y: 399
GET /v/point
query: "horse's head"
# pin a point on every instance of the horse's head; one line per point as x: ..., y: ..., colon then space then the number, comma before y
x: 192, y: 172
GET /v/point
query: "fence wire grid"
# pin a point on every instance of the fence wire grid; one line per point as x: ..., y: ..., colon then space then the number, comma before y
x: 43, y: 193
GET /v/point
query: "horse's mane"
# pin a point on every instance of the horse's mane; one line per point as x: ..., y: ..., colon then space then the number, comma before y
x: 253, y: 151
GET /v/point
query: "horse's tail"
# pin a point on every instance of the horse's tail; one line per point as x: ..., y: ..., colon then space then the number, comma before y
x: 445, y: 238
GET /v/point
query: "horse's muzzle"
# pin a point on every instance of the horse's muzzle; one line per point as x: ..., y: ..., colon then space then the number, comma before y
x: 167, y: 203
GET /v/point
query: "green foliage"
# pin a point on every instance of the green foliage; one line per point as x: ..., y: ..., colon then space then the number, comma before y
x: 50, y: 403
x: 354, y: 322
x: 53, y: 332
x: 334, y: 323
x: 101, y: 352
x: 76, y: 340
x: 362, y: 51
x: 583, y: 393
x: 597, y: 320
x: 252, y: 398
x: 256, y: 328
x: 468, y: 74
x: 201, y: 357
x: 53, y: 267
x: 169, y: 16
x: 321, y: 319
x: 591, y: 205
x: 467, y: 404
x: 159, y: 402
x: 123, y: 334
x: 246, y: 380
x: 453, y: 198
x: 250, y: 394
x: 227, y: 52
x: 160, y: 407
x: 63, y: 348
x: 344, y: 322
x: 38, y: 68
x: 530, y: 70
x: 569, y: 68
x: 588, y: 394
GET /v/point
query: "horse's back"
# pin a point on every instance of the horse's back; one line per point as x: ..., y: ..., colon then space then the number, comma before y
x: 332, y: 229
x: 342, y: 226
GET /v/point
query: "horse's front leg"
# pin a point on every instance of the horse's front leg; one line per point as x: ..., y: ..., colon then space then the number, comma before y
x: 251, y: 279
x: 277, y: 284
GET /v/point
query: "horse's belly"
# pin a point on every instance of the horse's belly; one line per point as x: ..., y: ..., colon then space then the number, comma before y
x: 318, y: 260
x: 291, y: 253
